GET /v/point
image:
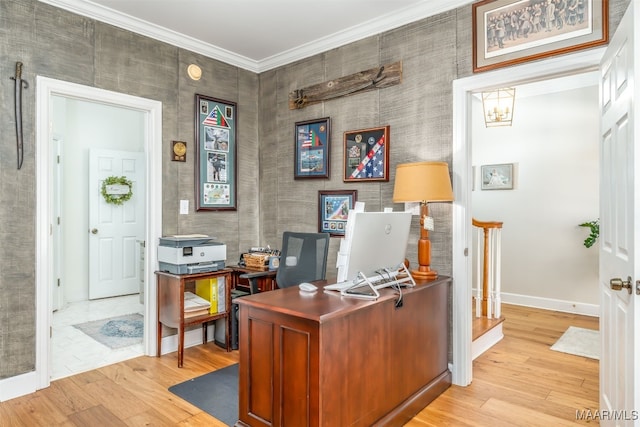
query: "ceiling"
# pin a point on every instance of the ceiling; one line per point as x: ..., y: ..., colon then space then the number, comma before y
x: 258, y: 35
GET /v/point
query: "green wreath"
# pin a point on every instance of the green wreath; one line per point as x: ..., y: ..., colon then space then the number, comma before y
x: 116, y: 199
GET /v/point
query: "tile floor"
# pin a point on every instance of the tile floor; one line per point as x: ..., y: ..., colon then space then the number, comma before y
x: 73, y: 352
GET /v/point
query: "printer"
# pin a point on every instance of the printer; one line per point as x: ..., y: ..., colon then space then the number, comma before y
x: 189, y: 254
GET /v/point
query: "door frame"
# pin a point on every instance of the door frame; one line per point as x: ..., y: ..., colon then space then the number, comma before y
x: 463, y: 90
x: 152, y: 110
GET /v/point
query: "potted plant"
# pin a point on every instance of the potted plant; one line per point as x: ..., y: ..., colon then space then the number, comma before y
x: 594, y: 227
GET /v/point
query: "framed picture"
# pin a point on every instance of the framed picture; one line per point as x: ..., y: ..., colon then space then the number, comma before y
x: 333, y: 208
x: 497, y: 177
x: 216, y: 154
x: 366, y: 155
x: 312, y: 138
x: 509, y: 32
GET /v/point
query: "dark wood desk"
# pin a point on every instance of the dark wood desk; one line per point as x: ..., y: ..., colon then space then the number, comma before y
x: 171, y: 289
x: 325, y: 360
x: 266, y: 283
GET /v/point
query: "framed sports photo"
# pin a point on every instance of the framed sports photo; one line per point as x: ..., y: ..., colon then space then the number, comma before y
x: 333, y: 209
x: 216, y: 154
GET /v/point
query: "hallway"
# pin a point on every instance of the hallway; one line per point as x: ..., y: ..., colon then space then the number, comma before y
x: 73, y: 352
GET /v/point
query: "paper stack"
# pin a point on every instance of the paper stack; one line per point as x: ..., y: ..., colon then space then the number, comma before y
x: 195, y: 306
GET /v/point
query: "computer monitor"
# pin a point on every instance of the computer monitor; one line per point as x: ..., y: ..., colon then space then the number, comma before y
x: 373, y: 240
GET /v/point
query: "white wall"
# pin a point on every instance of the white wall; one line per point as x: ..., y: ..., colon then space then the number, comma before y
x: 553, y: 145
x: 87, y: 125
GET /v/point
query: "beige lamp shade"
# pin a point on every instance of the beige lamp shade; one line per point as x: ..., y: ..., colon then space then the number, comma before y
x: 422, y: 182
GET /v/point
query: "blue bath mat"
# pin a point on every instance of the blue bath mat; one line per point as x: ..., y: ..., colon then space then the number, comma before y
x: 116, y: 332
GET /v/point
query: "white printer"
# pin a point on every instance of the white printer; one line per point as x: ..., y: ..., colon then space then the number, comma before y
x: 192, y: 253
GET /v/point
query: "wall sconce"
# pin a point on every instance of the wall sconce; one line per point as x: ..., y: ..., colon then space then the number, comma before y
x: 498, y: 107
x: 194, y: 72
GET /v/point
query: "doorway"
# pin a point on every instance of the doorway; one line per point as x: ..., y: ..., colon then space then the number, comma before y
x: 463, y: 90
x: 151, y: 116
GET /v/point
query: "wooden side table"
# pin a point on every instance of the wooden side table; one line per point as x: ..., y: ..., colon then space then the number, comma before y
x: 171, y: 289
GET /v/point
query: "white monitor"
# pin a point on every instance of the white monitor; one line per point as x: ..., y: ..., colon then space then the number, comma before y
x: 373, y: 240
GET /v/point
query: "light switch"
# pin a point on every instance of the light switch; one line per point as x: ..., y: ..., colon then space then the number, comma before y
x: 184, y: 207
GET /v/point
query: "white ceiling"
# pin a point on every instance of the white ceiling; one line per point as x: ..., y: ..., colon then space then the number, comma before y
x: 258, y: 35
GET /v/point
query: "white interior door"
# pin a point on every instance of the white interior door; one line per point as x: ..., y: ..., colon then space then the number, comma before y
x: 114, y: 230
x: 58, y: 273
x: 619, y: 195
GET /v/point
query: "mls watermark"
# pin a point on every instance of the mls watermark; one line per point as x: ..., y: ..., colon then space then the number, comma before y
x: 605, y: 415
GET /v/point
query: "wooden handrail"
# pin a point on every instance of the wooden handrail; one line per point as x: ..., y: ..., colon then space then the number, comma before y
x: 486, y: 227
x: 486, y: 224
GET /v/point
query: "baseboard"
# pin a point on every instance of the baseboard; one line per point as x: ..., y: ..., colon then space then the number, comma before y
x: 19, y: 385
x: 486, y: 341
x: 192, y: 338
x: 552, y: 304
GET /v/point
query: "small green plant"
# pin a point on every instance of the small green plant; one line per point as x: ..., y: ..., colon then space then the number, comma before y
x: 594, y: 227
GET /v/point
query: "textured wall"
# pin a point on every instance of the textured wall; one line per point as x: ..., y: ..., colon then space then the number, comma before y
x: 418, y: 111
x: 57, y: 44
x: 60, y: 45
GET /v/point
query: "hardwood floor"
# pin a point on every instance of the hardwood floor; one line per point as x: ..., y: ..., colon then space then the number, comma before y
x: 518, y: 382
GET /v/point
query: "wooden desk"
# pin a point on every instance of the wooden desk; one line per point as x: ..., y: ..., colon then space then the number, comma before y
x: 171, y: 288
x: 325, y: 360
x: 267, y: 283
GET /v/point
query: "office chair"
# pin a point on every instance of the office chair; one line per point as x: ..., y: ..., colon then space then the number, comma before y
x: 303, y: 258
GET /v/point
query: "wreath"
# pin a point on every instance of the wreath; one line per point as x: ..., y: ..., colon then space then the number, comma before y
x: 116, y: 199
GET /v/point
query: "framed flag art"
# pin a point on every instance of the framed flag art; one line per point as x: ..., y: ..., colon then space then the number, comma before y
x: 366, y: 154
x: 216, y: 154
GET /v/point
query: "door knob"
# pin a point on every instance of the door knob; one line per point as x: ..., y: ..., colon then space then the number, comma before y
x: 617, y: 284
x: 94, y: 231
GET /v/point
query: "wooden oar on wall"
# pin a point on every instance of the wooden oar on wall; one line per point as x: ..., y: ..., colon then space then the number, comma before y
x: 363, y: 81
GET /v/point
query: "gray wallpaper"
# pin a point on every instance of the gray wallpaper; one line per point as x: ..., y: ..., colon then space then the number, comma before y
x: 58, y: 44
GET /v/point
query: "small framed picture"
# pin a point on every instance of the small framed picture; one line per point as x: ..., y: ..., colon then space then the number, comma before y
x: 312, y: 138
x: 497, y: 177
x: 333, y: 209
x: 366, y: 155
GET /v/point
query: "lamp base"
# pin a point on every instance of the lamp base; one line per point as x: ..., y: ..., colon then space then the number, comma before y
x: 424, y: 275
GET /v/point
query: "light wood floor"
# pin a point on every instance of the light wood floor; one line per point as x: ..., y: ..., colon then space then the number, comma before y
x: 518, y: 382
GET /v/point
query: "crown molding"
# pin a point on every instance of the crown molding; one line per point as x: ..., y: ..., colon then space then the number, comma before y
x: 366, y: 29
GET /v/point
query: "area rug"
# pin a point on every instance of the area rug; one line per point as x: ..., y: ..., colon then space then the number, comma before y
x: 216, y: 393
x: 579, y: 341
x: 116, y: 332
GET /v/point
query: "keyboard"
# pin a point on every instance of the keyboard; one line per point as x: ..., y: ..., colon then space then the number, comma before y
x: 340, y: 286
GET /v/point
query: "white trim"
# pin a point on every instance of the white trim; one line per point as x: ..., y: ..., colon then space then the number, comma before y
x: 463, y: 89
x: 46, y: 88
x: 413, y: 13
x: 17, y: 386
x: 552, y: 304
x: 486, y: 341
x: 192, y: 338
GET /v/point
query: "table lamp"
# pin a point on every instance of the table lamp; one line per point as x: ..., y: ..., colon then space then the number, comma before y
x: 423, y: 182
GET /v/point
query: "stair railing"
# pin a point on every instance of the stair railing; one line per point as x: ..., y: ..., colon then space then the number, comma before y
x: 488, y: 268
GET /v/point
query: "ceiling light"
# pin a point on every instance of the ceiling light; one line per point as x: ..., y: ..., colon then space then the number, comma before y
x: 498, y: 107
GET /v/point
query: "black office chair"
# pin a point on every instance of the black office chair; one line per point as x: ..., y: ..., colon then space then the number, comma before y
x: 303, y: 258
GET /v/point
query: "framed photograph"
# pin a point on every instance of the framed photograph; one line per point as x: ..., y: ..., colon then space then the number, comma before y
x: 366, y: 155
x: 333, y: 208
x: 216, y: 154
x: 497, y: 177
x: 509, y: 32
x: 312, y: 139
